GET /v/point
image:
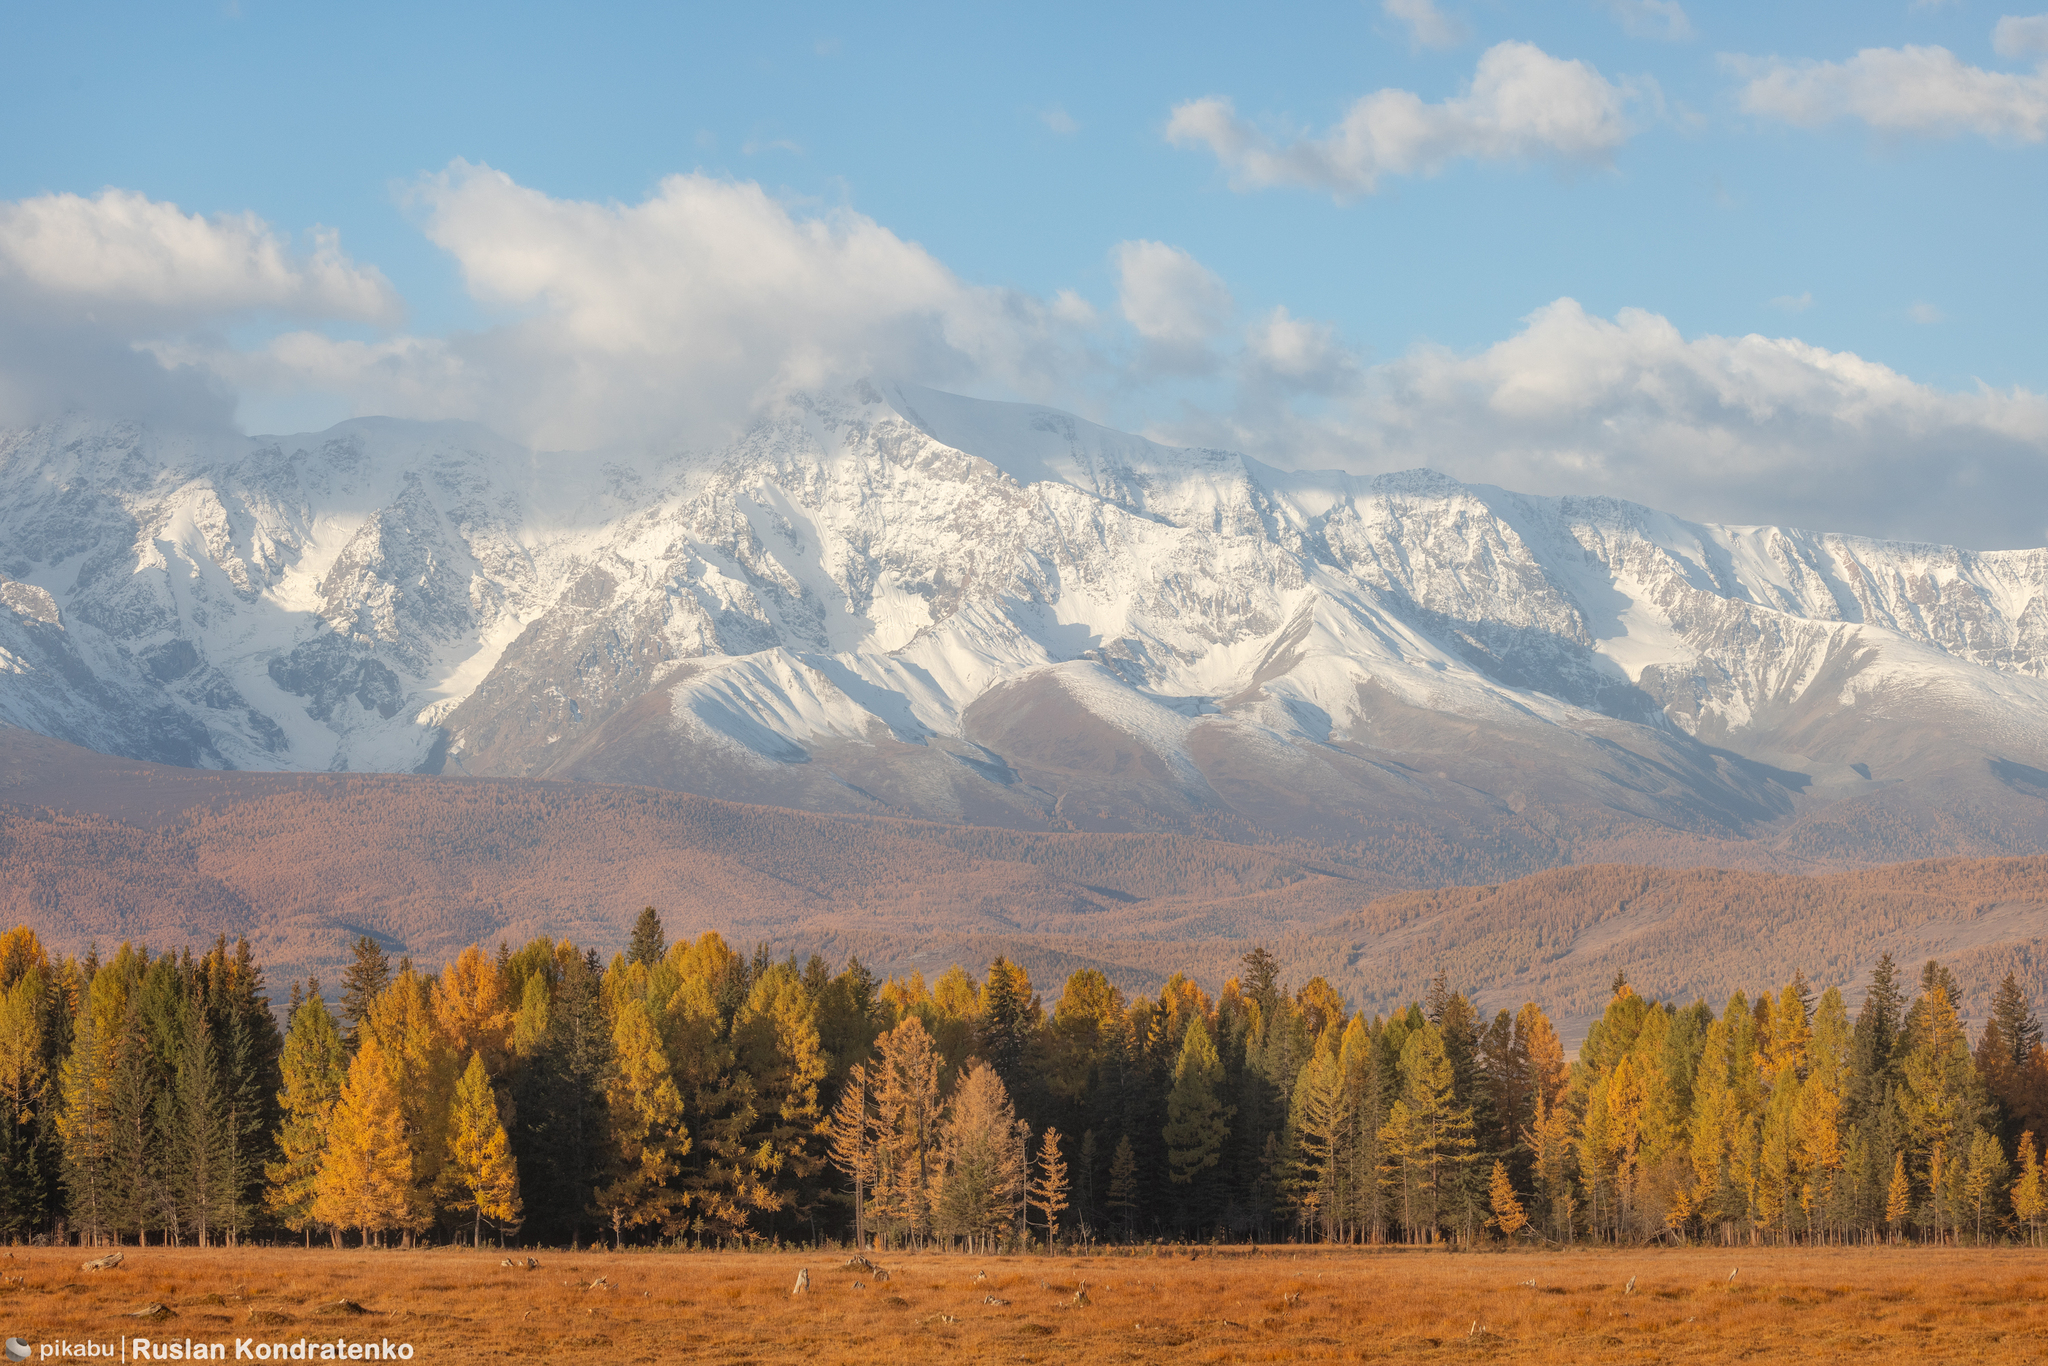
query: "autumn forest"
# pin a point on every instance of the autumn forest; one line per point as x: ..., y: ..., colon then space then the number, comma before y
x: 692, y: 1095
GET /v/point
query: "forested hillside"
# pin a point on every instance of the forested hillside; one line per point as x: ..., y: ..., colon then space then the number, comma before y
x: 692, y: 1094
x: 94, y: 849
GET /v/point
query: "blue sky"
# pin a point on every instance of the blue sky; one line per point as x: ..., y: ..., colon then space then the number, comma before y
x: 1721, y: 183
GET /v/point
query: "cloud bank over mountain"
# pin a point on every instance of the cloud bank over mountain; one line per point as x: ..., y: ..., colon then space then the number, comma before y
x: 677, y: 320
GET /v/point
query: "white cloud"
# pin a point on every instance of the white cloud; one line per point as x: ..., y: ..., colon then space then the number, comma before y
x: 1794, y: 303
x: 126, y: 252
x: 672, y: 319
x: 1294, y: 355
x: 83, y: 279
x: 1920, y: 90
x: 1665, y: 19
x: 2021, y: 35
x: 1173, y: 302
x: 1522, y: 104
x: 1925, y: 314
x: 1747, y: 429
x: 1428, y: 26
x: 1059, y: 120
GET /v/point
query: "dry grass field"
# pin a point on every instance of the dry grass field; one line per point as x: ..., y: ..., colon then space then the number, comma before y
x: 1214, y: 1306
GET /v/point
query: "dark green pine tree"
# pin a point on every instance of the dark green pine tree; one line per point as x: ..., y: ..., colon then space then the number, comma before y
x: 560, y: 1139
x: 1874, y: 1047
x: 362, y: 982
x: 648, y: 946
x: 1003, y: 1031
x: 199, y: 1161
x: 2004, y: 1062
x: 134, y: 1131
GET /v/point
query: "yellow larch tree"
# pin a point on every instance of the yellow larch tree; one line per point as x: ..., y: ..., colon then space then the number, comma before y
x: 366, y: 1177
x: 1898, y: 1197
x: 480, y: 1175
x: 648, y: 1135
x: 2029, y: 1198
x: 1047, y: 1192
x: 474, y: 1009
x: 1508, y: 1216
x: 423, y: 1070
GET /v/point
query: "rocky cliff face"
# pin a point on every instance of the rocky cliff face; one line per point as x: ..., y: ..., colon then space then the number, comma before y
x: 911, y: 602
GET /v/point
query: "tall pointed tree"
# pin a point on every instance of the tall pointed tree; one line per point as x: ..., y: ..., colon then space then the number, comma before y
x: 366, y: 1176
x: 481, y: 1174
x: 1197, y: 1122
x: 362, y: 982
x: 980, y: 1173
x: 1049, y: 1188
x: 315, y: 1065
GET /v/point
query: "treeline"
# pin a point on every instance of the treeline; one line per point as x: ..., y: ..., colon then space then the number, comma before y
x: 692, y: 1094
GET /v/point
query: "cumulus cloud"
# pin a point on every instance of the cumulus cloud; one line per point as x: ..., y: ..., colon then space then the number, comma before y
x: 124, y: 252
x: 1926, y: 91
x: 1522, y: 104
x: 676, y: 318
x: 1173, y: 302
x: 2021, y: 35
x: 1744, y: 429
x: 1428, y: 26
x: 83, y: 280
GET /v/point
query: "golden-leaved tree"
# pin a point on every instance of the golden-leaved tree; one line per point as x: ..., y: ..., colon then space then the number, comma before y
x: 480, y: 1175
x: 980, y: 1172
x: 366, y: 1176
x: 905, y: 1078
x: 314, y: 1065
x: 647, y: 1128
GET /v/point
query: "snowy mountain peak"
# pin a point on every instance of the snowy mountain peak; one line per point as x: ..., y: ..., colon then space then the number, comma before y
x: 897, y: 599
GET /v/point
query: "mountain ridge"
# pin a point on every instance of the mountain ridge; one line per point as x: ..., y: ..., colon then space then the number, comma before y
x: 909, y: 603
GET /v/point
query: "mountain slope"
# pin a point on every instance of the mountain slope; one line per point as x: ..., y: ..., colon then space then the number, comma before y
x: 909, y: 603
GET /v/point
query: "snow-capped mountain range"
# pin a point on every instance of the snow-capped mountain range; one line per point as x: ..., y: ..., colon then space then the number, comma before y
x: 906, y: 602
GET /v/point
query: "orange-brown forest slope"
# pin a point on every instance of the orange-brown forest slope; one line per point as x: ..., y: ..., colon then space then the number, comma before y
x: 93, y: 848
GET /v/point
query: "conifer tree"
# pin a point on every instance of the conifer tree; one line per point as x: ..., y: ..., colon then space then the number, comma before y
x: 201, y: 1159
x: 776, y: 1045
x: 473, y: 1010
x: 1007, y: 1020
x: 1049, y: 1189
x: 1123, y: 1185
x: 366, y: 1175
x: 648, y: 946
x: 980, y: 1174
x: 480, y: 1171
x: 853, y: 1143
x: 1941, y: 1098
x: 908, y: 1116
x: 561, y: 1143
x: 646, y: 1125
x: 362, y: 982
x: 1196, y: 1121
x: 1983, y: 1177
x: 315, y: 1064
x: 1898, y: 1197
x: 2029, y: 1195
x: 1508, y: 1216
x: 86, y: 1126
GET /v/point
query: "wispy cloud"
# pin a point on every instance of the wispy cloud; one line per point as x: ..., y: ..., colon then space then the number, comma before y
x: 1794, y: 303
x: 1522, y: 103
x: 1661, y: 19
x: 1059, y: 120
x: 1428, y: 26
